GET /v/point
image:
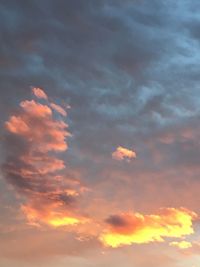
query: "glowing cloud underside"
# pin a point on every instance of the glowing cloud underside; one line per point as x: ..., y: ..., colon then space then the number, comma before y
x: 50, y: 215
x: 130, y: 228
x: 34, y: 168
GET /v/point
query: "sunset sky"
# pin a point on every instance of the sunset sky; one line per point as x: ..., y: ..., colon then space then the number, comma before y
x: 100, y: 133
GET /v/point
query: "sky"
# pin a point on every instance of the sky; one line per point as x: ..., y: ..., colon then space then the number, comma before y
x: 99, y: 133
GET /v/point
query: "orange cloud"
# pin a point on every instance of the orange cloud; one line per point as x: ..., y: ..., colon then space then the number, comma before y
x: 39, y: 93
x: 59, y: 109
x: 123, y: 153
x: 36, y: 124
x: 35, y: 109
x: 16, y: 125
x: 130, y: 228
x: 33, y: 168
x: 50, y: 215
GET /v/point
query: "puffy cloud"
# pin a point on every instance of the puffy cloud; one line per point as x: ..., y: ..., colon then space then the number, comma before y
x: 16, y: 125
x: 123, y: 153
x: 182, y: 244
x: 59, y: 109
x: 35, y: 109
x: 130, y: 228
x: 33, y: 168
x: 39, y: 93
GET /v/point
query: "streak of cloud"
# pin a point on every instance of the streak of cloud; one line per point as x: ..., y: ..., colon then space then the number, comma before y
x: 39, y: 93
x: 59, y: 109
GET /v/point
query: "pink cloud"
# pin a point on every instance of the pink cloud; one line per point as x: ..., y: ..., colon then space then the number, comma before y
x: 37, y: 125
x: 39, y: 93
x: 59, y: 109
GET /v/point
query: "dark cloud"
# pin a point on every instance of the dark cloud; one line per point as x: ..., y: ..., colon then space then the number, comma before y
x: 116, y: 221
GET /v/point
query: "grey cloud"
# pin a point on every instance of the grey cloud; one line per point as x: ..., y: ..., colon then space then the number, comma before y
x: 116, y: 221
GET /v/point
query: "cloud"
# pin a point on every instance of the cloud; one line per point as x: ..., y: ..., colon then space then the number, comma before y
x: 59, y: 109
x: 122, y: 153
x: 39, y: 93
x: 36, y: 109
x: 36, y: 125
x: 50, y: 214
x: 130, y: 228
x: 182, y: 244
x: 33, y: 168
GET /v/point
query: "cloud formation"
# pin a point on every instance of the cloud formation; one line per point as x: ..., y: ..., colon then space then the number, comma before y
x: 34, y: 169
x: 122, y: 153
x: 130, y: 228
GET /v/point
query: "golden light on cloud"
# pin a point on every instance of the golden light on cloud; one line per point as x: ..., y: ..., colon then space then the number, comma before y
x: 122, y: 153
x: 130, y: 228
x: 63, y: 221
x: 47, y: 215
x: 182, y: 244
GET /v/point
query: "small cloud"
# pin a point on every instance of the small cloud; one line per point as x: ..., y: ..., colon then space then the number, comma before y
x: 122, y: 153
x: 182, y: 244
x: 68, y: 106
x: 59, y: 109
x: 39, y: 93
